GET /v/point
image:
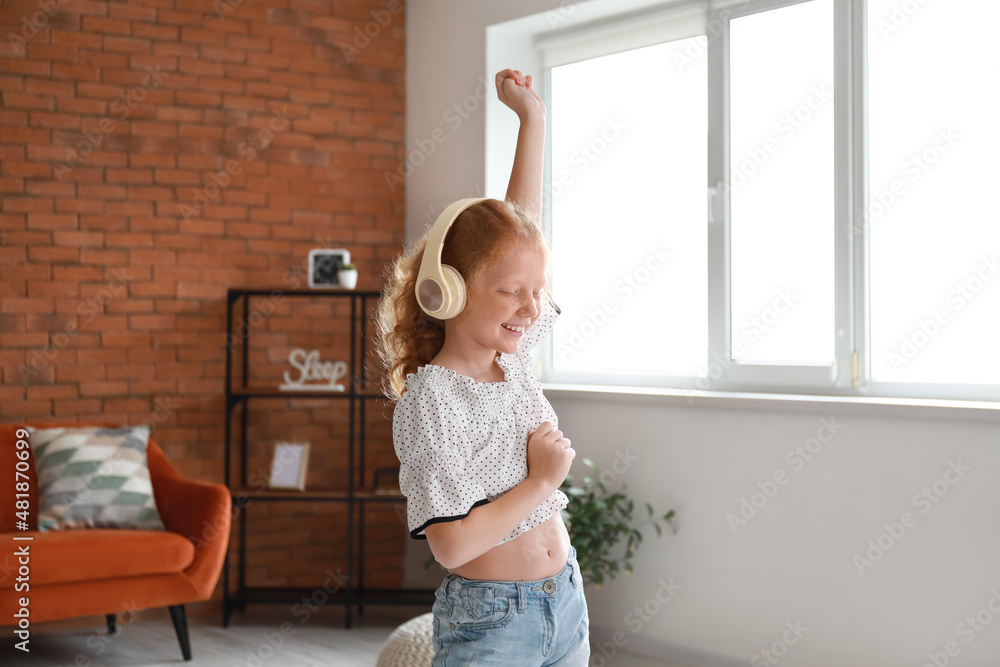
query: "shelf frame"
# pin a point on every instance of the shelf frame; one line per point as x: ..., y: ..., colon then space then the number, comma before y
x: 355, y: 495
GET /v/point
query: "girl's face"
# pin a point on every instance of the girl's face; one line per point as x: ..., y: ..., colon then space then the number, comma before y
x: 505, y: 296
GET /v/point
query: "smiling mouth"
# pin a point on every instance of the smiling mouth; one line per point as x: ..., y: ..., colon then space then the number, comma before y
x: 520, y: 329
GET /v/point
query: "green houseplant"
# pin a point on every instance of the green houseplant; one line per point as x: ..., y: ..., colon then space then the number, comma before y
x: 598, y: 520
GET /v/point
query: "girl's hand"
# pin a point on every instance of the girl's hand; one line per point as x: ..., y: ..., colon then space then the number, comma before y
x: 515, y: 90
x: 549, y: 455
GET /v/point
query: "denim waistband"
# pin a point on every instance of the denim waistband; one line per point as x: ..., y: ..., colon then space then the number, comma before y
x: 566, y: 578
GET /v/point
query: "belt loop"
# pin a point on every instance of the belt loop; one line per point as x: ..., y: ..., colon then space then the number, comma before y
x: 521, y: 595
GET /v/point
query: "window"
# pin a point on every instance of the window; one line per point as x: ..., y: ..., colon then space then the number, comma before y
x: 934, y: 240
x: 781, y: 186
x: 776, y: 195
x: 641, y: 263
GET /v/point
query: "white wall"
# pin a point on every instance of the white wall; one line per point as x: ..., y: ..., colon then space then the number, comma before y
x: 446, y: 66
x: 793, y: 561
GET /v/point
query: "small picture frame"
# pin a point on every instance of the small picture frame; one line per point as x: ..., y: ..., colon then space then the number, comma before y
x: 324, y: 263
x: 288, y: 466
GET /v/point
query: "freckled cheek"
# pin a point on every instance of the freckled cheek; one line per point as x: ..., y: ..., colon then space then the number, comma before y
x: 500, y: 314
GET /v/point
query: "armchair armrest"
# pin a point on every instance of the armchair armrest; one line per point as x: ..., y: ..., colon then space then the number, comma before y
x: 200, y: 511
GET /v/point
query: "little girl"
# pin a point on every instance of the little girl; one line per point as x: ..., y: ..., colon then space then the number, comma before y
x: 481, y: 459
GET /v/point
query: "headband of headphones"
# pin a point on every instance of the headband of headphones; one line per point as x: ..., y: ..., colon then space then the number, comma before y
x: 440, y: 288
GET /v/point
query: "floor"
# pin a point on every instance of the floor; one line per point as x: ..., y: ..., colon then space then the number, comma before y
x: 265, y: 635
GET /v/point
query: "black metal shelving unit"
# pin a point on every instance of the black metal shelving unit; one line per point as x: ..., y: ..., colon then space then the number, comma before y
x: 355, y: 496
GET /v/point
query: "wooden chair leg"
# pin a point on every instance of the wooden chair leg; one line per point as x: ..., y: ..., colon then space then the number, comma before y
x: 180, y: 626
x: 111, y: 624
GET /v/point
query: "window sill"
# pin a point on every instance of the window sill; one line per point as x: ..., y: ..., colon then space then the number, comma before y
x: 877, y: 406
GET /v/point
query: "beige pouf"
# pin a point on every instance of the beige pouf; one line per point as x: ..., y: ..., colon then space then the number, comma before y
x: 410, y: 644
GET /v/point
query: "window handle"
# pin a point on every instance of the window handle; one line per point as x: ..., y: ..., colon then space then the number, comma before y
x: 713, y: 192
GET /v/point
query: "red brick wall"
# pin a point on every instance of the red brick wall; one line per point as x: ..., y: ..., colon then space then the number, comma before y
x: 154, y: 153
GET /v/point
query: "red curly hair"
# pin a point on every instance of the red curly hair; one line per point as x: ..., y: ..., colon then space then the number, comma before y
x: 407, y: 337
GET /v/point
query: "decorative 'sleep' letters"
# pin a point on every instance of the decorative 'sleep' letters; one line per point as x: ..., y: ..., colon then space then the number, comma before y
x: 311, y: 369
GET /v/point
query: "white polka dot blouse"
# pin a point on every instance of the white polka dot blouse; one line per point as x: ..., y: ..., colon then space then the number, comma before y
x: 463, y: 443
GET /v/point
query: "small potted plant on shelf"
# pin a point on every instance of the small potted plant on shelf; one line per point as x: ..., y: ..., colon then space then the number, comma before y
x: 598, y: 520
x: 347, y: 276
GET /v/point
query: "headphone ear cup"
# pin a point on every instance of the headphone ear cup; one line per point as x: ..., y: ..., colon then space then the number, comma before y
x: 456, y: 285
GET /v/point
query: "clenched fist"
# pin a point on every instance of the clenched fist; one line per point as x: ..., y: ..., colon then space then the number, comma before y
x: 549, y: 455
x: 516, y: 91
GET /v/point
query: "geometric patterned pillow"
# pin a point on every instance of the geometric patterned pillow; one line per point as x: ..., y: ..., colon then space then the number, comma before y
x: 93, y: 477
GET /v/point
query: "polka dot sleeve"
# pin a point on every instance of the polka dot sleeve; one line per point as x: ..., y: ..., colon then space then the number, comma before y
x: 432, y: 456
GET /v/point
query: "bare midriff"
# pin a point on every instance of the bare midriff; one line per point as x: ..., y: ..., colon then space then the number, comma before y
x: 534, y: 554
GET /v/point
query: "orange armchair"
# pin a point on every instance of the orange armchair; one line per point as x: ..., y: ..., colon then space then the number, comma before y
x: 75, y: 573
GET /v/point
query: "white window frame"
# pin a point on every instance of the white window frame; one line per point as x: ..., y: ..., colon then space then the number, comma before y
x: 849, y: 375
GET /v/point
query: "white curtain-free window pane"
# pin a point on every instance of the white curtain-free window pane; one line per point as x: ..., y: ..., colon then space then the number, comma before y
x: 628, y: 203
x: 782, y: 184
x: 934, y: 233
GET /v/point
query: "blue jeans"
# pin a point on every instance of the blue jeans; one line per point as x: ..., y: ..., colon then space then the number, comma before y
x: 512, y: 623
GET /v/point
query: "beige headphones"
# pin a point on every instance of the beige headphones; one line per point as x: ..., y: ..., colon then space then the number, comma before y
x: 441, y: 288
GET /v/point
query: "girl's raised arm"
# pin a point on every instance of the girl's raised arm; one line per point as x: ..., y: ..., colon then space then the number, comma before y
x: 515, y: 90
